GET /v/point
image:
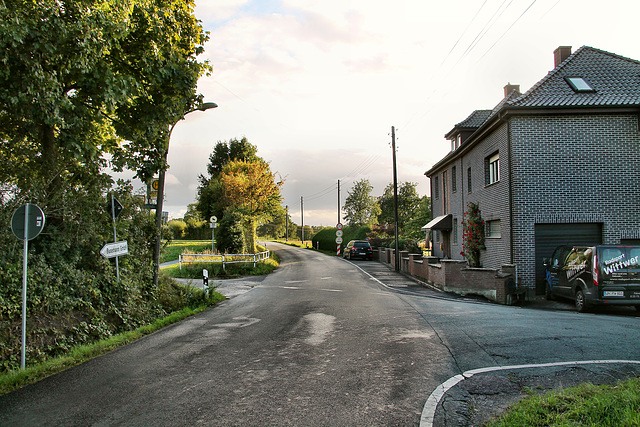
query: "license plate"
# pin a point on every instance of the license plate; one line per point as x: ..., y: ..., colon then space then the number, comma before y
x: 363, y: 253
x: 613, y: 293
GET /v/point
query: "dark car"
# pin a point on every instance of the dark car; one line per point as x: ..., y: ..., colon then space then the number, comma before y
x: 594, y: 275
x: 358, y: 249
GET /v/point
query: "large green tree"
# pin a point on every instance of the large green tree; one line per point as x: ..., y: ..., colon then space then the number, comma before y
x: 84, y: 85
x: 210, y: 192
x: 408, y: 205
x: 360, y: 207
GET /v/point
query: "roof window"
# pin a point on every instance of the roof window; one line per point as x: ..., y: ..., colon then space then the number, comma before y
x: 579, y: 84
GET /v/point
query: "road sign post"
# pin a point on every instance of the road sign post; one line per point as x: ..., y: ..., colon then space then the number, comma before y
x: 213, y: 223
x: 338, y: 237
x: 26, y: 223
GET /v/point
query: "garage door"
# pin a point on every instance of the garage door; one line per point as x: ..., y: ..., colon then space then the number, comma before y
x: 550, y: 236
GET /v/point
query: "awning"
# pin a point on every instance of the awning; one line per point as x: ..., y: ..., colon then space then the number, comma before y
x: 444, y: 222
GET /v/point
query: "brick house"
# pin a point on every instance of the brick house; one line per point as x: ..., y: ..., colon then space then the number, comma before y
x: 559, y: 164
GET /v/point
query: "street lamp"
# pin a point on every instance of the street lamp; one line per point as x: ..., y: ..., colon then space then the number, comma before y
x: 161, y: 176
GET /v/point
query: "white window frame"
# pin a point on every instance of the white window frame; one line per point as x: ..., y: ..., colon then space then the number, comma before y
x: 494, y: 168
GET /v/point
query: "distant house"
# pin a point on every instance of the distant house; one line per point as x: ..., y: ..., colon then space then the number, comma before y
x: 559, y: 164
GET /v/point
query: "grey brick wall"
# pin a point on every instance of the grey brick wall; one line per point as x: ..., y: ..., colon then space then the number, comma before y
x: 572, y: 169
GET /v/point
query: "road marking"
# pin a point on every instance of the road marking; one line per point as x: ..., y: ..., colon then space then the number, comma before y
x: 429, y: 410
x: 289, y: 287
x: 332, y: 290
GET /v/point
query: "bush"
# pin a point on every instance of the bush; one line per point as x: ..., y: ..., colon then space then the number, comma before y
x: 325, y: 239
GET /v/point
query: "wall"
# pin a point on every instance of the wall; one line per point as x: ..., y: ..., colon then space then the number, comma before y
x: 574, y: 168
x: 454, y: 276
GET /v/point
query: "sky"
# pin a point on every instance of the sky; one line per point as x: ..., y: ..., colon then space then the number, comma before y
x: 317, y: 85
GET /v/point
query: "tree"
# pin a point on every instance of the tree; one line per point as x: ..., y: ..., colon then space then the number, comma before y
x: 209, y: 191
x: 250, y: 188
x: 420, y: 218
x: 408, y: 205
x: 360, y: 207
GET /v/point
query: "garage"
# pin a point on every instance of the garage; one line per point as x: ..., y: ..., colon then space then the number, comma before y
x: 550, y: 236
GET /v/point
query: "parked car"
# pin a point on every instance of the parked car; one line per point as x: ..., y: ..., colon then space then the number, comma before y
x: 595, y: 275
x: 358, y: 249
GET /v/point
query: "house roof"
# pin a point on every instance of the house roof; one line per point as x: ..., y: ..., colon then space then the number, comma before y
x: 614, y: 78
x: 615, y: 81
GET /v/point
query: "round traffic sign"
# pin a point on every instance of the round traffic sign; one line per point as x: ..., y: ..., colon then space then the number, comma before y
x: 30, y: 228
x: 339, y: 226
x: 213, y: 219
x: 338, y: 240
x: 155, y: 184
x: 339, y: 233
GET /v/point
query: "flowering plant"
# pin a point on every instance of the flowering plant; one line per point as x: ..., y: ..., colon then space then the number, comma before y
x: 472, y: 235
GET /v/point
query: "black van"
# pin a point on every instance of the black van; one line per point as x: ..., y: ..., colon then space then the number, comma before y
x: 594, y: 275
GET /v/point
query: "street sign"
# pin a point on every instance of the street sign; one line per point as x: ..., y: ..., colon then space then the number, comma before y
x: 117, y: 208
x: 338, y: 240
x: 29, y: 229
x: 339, y: 226
x: 111, y: 250
x: 339, y: 233
x: 213, y: 219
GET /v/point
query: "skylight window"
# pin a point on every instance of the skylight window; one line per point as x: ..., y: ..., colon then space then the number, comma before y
x: 578, y: 84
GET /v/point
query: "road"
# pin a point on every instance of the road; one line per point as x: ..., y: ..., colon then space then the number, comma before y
x: 323, y: 341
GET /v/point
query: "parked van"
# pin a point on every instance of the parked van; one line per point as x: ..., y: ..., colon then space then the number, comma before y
x: 594, y: 275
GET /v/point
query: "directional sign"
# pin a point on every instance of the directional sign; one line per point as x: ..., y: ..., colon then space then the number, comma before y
x: 111, y: 250
x: 29, y: 229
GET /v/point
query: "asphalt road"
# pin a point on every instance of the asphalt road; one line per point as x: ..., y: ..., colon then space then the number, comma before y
x: 323, y: 341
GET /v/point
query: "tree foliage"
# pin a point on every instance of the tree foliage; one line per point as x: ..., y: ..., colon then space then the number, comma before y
x: 361, y: 208
x: 241, y: 181
x: 84, y: 85
x: 408, y: 205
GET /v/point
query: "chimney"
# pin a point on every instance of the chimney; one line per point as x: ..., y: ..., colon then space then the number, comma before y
x: 560, y: 54
x: 510, y: 88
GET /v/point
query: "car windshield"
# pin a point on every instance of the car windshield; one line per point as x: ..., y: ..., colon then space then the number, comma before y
x: 361, y: 245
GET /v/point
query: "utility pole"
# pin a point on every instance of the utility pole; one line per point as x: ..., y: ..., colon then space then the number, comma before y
x: 338, y: 202
x: 286, y: 221
x: 302, y: 218
x: 395, y: 197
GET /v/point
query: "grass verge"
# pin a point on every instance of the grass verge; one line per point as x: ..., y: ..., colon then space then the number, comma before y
x: 13, y: 380
x: 583, y: 405
x: 176, y: 247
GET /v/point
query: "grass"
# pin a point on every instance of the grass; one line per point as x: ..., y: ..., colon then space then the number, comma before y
x: 13, y: 380
x: 176, y: 247
x: 583, y: 405
x: 194, y: 271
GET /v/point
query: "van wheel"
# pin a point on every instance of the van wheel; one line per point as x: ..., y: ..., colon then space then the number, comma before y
x: 581, y: 305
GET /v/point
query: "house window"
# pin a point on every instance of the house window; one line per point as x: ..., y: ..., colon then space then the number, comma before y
x: 436, y: 187
x: 445, y: 193
x: 455, y: 231
x: 453, y: 180
x: 469, y: 180
x: 492, y: 229
x: 492, y: 169
x: 579, y: 84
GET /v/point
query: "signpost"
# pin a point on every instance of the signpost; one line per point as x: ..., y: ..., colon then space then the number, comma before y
x: 114, y: 208
x: 27, y: 223
x: 338, y: 237
x: 213, y: 224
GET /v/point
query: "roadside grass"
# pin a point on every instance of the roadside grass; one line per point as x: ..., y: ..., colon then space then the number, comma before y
x: 194, y: 271
x: 296, y: 243
x: 13, y: 380
x: 176, y: 247
x: 583, y: 405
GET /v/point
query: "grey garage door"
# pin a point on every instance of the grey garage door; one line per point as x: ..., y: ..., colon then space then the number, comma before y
x: 550, y: 236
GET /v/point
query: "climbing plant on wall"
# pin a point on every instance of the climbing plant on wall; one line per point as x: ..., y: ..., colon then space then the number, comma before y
x: 472, y: 235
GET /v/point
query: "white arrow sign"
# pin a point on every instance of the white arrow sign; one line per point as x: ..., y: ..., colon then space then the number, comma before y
x: 115, y: 249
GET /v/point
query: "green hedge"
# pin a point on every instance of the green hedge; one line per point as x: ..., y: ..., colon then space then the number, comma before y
x: 326, y: 239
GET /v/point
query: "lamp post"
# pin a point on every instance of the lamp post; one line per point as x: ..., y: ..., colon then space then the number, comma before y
x: 161, y: 176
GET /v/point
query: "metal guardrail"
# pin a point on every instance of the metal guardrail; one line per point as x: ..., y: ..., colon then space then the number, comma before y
x: 224, y: 259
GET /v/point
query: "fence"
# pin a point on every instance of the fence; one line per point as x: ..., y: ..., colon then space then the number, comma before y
x: 224, y: 259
